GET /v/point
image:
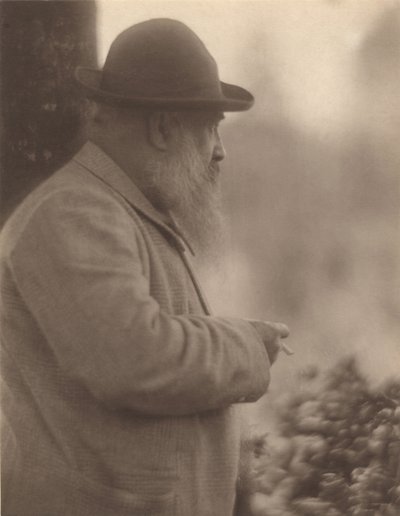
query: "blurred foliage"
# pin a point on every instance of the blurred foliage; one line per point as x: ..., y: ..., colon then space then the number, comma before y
x: 335, y: 451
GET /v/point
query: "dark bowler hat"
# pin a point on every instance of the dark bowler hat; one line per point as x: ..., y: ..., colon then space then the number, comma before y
x: 162, y: 63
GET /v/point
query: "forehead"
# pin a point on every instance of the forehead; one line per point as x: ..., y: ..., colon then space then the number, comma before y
x: 211, y: 116
x: 202, y: 119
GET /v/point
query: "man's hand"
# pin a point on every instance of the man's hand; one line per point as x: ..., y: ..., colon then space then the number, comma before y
x: 271, y: 334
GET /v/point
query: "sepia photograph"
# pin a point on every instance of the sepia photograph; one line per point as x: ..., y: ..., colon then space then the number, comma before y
x: 200, y: 257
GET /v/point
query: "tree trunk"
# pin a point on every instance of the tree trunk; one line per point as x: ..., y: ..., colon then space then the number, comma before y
x: 42, y: 42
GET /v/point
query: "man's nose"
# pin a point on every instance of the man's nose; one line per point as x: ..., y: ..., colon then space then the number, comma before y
x: 219, y: 150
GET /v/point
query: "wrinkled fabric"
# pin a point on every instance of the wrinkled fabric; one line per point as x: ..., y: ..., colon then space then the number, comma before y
x: 119, y: 387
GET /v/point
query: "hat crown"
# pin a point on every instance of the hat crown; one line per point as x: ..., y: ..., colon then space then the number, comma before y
x: 162, y: 63
x: 160, y: 57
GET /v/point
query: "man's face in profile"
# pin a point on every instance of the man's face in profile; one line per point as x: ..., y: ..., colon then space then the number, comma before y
x: 209, y: 144
x: 185, y: 180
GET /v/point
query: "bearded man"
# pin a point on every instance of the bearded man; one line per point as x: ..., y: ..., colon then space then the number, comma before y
x: 120, y: 388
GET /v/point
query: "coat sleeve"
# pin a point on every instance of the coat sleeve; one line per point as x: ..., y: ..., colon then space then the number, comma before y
x: 77, y: 267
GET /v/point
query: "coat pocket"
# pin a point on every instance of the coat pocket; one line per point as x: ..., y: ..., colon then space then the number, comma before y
x: 101, y: 500
x: 55, y: 493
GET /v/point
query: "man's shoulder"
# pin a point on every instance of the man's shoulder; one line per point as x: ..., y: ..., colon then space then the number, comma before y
x: 71, y: 177
x: 73, y: 185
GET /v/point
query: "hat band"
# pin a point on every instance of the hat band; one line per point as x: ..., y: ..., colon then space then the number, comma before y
x: 128, y: 86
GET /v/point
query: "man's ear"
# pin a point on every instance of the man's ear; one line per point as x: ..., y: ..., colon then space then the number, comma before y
x: 159, y: 129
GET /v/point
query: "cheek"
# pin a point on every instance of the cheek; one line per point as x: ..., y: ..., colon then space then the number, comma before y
x: 208, y: 148
x: 204, y: 141
x: 204, y: 149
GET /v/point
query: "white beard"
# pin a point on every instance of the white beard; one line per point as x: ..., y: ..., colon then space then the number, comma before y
x: 189, y: 189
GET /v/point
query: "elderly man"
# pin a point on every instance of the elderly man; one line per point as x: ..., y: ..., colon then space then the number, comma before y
x: 120, y: 389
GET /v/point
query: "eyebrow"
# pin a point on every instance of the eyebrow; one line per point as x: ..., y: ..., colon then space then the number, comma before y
x: 213, y: 117
x: 217, y: 117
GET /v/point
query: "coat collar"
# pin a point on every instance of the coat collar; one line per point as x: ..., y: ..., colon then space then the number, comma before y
x: 94, y: 159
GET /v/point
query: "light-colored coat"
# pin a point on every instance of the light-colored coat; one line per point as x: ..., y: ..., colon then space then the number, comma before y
x: 119, y: 387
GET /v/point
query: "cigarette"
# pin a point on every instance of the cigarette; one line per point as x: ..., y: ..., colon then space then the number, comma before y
x: 288, y: 350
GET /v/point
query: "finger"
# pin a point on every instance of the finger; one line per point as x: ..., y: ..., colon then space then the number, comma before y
x: 273, y: 355
x: 282, y: 330
x: 274, y: 349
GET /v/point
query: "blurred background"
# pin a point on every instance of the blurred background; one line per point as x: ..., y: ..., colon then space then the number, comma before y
x: 312, y: 176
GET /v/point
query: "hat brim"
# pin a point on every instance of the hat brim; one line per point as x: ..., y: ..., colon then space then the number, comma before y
x: 233, y: 98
